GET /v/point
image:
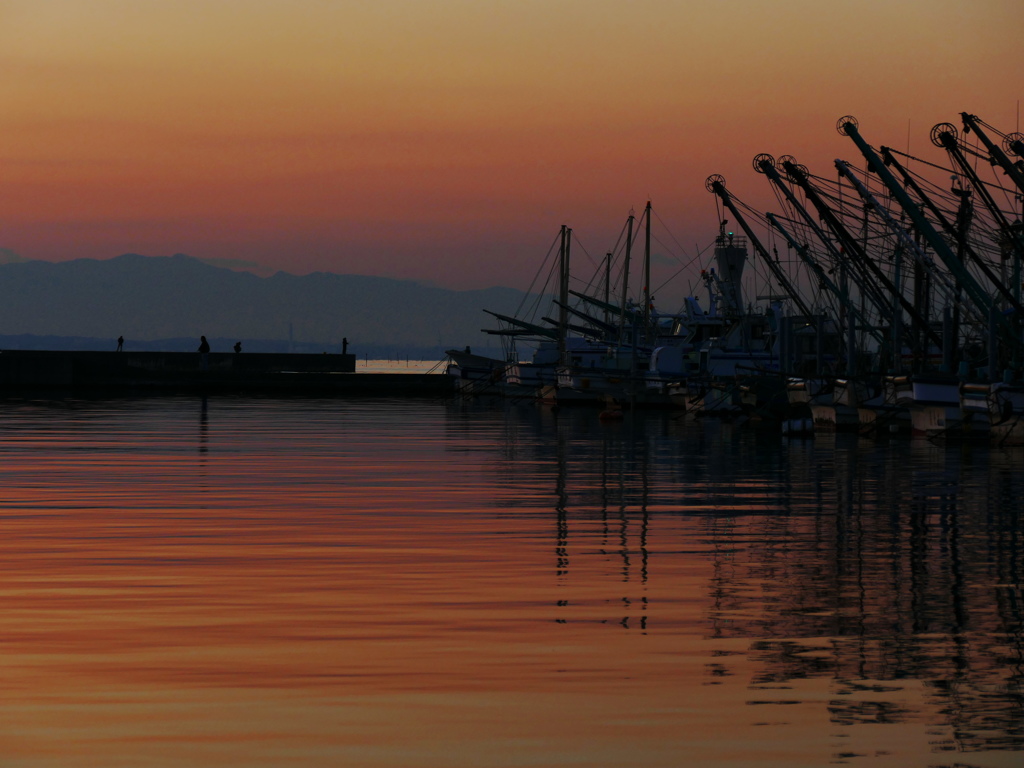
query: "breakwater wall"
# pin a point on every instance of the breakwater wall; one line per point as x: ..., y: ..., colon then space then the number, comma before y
x: 28, y: 371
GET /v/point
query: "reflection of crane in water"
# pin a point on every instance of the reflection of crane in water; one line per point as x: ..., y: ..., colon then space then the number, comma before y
x: 889, y: 571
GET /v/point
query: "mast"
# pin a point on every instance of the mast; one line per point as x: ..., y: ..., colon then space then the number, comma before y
x: 647, y: 273
x: 625, y: 276
x: 1015, y: 143
x: 896, y: 330
x: 563, y: 293
x: 607, y: 283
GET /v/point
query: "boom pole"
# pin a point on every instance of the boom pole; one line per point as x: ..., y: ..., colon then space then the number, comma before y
x: 848, y: 126
x: 955, y: 231
x: 716, y: 184
x: 823, y: 278
x: 973, y: 123
x: 763, y: 164
x: 799, y: 176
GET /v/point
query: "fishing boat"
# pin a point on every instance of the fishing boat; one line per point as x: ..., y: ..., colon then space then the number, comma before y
x: 474, y: 374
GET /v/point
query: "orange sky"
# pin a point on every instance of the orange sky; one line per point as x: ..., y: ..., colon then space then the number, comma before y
x: 448, y: 140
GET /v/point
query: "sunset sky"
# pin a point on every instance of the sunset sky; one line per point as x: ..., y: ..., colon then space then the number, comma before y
x: 447, y: 140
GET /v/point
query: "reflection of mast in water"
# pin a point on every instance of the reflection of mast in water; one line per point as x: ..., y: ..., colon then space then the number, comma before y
x: 623, y: 462
x: 644, y: 523
x: 950, y: 528
x: 643, y: 569
x: 561, y: 502
x: 614, y: 493
x: 203, y: 425
x: 562, y: 522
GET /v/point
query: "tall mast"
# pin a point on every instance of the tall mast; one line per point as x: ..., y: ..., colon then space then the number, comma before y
x: 563, y: 292
x: 625, y: 276
x: 647, y: 272
x: 607, y: 283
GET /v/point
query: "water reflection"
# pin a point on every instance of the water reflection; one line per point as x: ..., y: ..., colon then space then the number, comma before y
x: 204, y: 419
x: 406, y: 583
x: 890, y: 570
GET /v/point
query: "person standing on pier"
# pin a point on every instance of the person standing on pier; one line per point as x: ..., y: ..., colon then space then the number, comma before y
x: 204, y: 350
x: 120, y: 343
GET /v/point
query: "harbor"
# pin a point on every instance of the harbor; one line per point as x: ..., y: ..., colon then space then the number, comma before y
x: 512, y: 385
x: 886, y: 299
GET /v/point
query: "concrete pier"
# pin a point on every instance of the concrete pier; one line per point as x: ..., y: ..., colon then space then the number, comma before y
x: 27, y: 371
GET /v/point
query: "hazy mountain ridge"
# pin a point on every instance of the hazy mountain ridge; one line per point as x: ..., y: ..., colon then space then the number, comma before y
x: 172, y: 297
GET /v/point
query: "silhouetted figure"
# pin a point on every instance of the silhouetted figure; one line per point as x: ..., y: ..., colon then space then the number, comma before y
x: 238, y: 347
x: 344, y: 346
x: 120, y: 343
x: 204, y: 350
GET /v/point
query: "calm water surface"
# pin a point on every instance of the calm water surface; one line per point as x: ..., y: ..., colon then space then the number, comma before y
x: 246, y: 582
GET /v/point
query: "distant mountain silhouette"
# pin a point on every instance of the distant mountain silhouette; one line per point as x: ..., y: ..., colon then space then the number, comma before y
x: 7, y: 256
x: 171, y: 301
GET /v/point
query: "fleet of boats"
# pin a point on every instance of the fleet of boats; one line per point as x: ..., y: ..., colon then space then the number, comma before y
x: 894, y: 306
